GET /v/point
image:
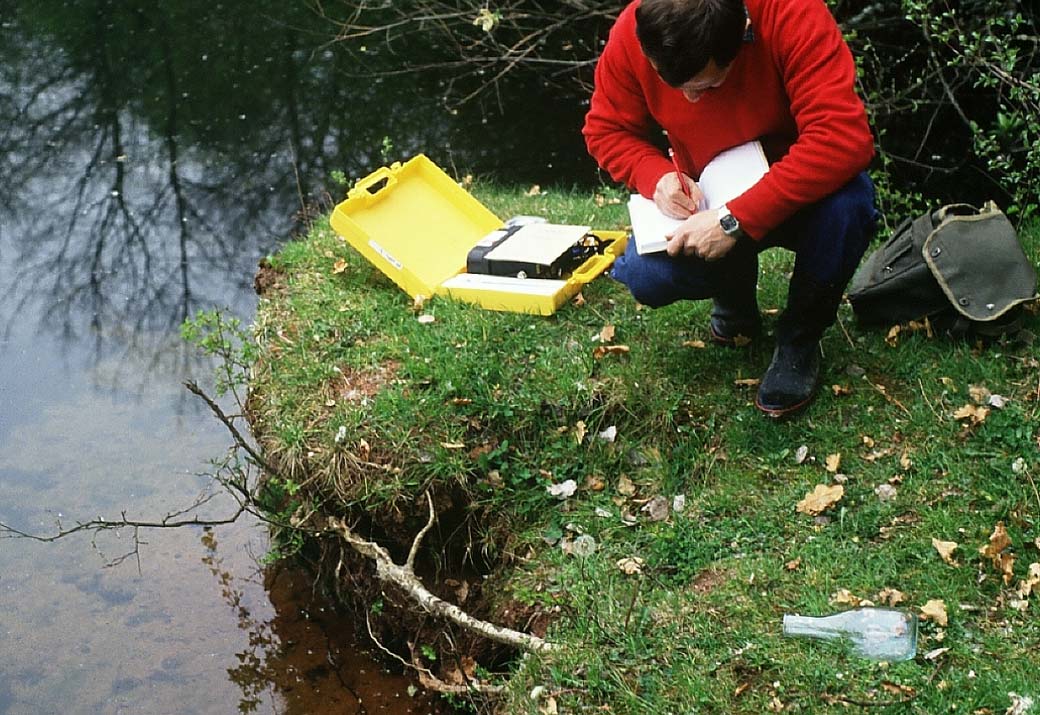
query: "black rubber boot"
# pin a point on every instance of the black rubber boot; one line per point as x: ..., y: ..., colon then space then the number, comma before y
x: 735, y: 320
x: 793, y: 376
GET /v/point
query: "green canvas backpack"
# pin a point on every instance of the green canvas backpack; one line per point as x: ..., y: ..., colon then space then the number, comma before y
x: 961, y: 267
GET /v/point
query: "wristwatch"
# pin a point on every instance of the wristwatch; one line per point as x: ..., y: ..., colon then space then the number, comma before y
x: 730, y: 224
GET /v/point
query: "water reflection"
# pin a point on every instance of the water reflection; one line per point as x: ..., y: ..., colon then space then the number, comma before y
x: 305, y: 657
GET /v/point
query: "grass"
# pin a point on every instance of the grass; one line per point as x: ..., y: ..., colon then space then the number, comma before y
x: 366, y: 407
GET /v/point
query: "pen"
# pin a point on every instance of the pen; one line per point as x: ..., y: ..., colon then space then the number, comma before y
x: 679, y: 174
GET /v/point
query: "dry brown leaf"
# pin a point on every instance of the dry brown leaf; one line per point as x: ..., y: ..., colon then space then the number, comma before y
x: 549, y: 707
x: 699, y: 344
x: 535, y: 190
x: 580, y: 430
x: 579, y: 300
x: 891, y: 596
x: 893, y: 335
x: 975, y: 414
x: 820, y: 499
x: 602, y: 350
x: 979, y: 394
x: 606, y: 333
x: 1005, y: 563
x: 841, y: 390
x: 630, y: 565
x: 453, y: 445
x: 868, y: 442
x: 905, y: 462
x: 897, y: 688
x: 339, y: 266
x: 844, y: 597
x: 741, y: 340
x: 998, y: 541
x: 625, y: 487
x: 946, y: 549
x: 747, y: 382
x: 832, y: 462
x: 658, y: 508
x: 741, y: 689
x: 1029, y: 584
x: 935, y: 610
x: 595, y: 483
x: 793, y: 564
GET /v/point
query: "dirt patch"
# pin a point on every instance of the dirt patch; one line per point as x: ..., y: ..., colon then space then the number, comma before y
x: 267, y: 278
x: 708, y: 580
x: 356, y: 385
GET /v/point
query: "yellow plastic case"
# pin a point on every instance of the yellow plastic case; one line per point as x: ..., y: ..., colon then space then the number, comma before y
x: 416, y: 225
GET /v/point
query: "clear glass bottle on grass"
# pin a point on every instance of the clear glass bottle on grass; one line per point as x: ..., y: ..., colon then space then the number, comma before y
x: 875, y: 633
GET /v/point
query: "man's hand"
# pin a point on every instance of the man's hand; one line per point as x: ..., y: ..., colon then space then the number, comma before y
x: 700, y: 235
x: 670, y: 198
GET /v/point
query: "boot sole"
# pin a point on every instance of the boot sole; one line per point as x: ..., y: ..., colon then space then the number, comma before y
x: 777, y: 413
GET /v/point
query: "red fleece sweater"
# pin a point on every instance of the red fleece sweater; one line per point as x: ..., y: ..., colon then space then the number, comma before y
x: 792, y: 87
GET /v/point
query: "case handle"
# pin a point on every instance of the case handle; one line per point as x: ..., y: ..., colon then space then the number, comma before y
x: 376, y: 185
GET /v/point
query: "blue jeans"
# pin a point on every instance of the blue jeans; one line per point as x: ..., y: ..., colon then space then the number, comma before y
x: 828, y: 238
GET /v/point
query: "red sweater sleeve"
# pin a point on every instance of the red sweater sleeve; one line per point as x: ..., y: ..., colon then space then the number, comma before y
x: 834, y: 142
x: 618, y: 123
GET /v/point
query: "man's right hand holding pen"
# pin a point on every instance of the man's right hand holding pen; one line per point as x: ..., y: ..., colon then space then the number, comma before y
x: 676, y: 194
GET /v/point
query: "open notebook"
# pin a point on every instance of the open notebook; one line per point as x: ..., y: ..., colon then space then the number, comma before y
x: 726, y: 177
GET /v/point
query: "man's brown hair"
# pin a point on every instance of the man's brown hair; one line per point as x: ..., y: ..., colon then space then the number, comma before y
x: 681, y: 36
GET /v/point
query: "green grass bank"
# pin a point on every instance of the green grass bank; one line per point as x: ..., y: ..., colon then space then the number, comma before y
x: 689, y: 495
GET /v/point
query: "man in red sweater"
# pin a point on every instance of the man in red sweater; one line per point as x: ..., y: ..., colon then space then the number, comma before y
x: 714, y: 74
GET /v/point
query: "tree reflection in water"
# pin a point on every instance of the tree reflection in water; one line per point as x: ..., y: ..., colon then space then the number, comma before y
x: 305, y: 659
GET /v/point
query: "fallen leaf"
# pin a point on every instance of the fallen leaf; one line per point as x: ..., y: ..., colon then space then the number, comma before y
x: 893, y: 335
x: 1020, y: 704
x: 418, y: 302
x: 979, y: 394
x: 699, y: 344
x: 1029, y: 584
x: 562, y: 490
x: 741, y: 689
x: 885, y: 492
x: 657, y: 508
x: 595, y: 483
x: 339, y: 266
x: 905, y: 462
x: 933, y: 654
x: 548, y: 707
x: 747, y: 382
x: 832, y: 462
x: 844, y: 597
x: 630, y: 565
x: 1005, y: 563
x: 946, y: 549
x: 897, y: 688
x: 998, y: 402
x: 606, y: 333
x: 740, y: 341
x: 935, y: 610
x: 891, y: 597
x: 604, y: 350
x: 868, y: 442
x: 453, y: 445
x: 580, y: 430
x: 998, y: 541
x: 625, y: 487
x: 535, y: 190
x: 820, y: 499
x: 974, y: 413
x: 609, y: 434
x: 841, y: 390
x: 801, y: 454
x: 579, y: 300
x: 603, y: 513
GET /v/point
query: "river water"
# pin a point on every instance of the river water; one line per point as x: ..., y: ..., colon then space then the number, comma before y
x: 149, y: 157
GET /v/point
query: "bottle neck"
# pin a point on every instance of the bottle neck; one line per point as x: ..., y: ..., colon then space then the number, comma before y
x: 807, y: 626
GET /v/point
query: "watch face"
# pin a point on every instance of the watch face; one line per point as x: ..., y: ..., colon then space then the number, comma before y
x: 729, y: 223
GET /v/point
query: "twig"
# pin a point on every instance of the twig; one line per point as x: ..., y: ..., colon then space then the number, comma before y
x: 884, y: 393
x: 410, y: 562
x: 924, y: 396
x: 239, y: 439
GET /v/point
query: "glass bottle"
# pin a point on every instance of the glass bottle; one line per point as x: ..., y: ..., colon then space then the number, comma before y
x: 875, y: 633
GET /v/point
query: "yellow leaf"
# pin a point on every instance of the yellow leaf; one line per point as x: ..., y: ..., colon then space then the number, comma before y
x: 606, y: 335
x: 832, y: 462
x: 946, y: 549
x: 935, y: 610
x: 820, y: 499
